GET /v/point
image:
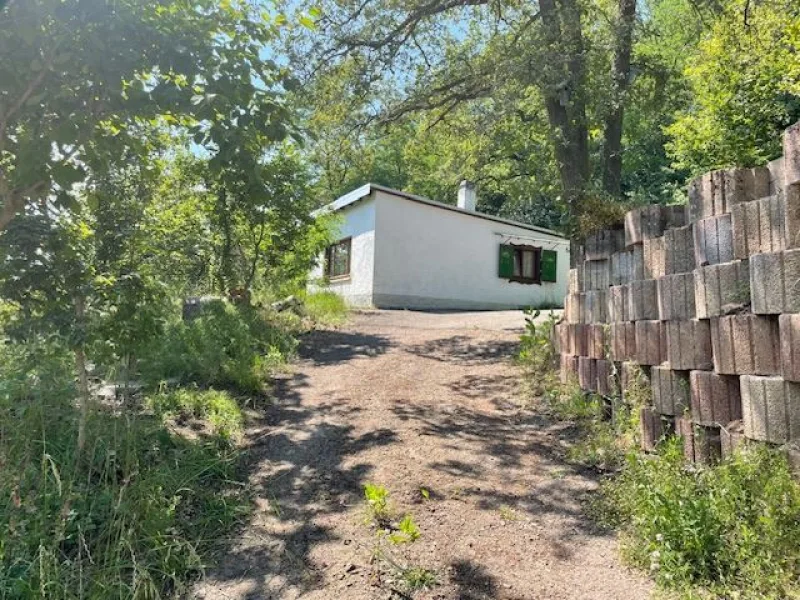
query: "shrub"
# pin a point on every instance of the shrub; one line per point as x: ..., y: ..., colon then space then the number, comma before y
x: 225, y: 346
x: 732, y: 529
x: 325, y: 309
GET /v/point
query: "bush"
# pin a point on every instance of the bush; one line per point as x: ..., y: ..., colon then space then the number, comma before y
x: 132, y: 515
x: 325, y: 309
x: 224, y: 346
x: 732, y: 529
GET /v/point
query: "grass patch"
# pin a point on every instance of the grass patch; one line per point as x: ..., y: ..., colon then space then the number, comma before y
x: 225, y: 346
x: 219, y: 409
x: 132, y: 515
x: 325, y: 309
x: 730, y: 531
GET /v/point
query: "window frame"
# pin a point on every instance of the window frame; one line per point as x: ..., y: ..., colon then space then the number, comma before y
x: 537, y: 263
x: 328, y: 268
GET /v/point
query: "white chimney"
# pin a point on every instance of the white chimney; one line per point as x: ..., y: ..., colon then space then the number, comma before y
x: 466, y: 195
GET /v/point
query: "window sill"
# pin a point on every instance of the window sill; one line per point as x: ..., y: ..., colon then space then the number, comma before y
x: 524, y: 281
x: 339, y: 279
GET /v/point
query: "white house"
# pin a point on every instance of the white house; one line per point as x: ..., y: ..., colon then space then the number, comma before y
x: 398, y: 250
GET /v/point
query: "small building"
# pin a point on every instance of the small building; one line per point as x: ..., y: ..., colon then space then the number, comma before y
x: 398, y: 250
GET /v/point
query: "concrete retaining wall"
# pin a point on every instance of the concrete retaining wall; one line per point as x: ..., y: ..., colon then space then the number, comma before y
x: 702, y: 303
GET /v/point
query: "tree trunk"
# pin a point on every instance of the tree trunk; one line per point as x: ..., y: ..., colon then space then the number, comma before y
x: 225, y: 275
x: 612, y: 149
x: 84, y: 395
x: 564, y: 91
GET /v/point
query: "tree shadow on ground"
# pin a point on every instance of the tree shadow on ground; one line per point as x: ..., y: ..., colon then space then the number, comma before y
x: 295, y: 459
x: 505, y: 437
x: 324, y: 347
x: 472, y: 581
x: 463, y: 350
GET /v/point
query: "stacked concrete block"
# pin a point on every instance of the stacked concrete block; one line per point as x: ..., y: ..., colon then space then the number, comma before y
x: 577, y: 339
x: 643, y: 300
x: 775, y: 282
x: 722, y: 289
x: 688, y: 345
x: 577, y: 254
x: 622, y: 341
x: 569, y: 368
x: 791, y: 154
x: 587, y: 373
x: 604, y: 370
x: 676, y: 297
x: 714, y: 399
x: 789, y: 328
x: 776, y: 177
x: 746, y: 345
x: 595, y: 306
x: 731, y: 437
x: 652, y: 221
x: 596, y: 274
x: 651, y: 428
x: 596, y: 335
x: 619, y: 303
x: 707, y: 445
x: 715, y: 193
x: 575, y: 280
x: 573, y: 308
x: 771, y: 408
x: 679, y: 250
x: 650, y: 342
x: 791, y: 195
x: 627, y: 266
x: 713, y: 240
x: 654, y: 258
x: 602, y: 244
x: 684, y: 428
x: 759, y: 226
x: 670, y: 390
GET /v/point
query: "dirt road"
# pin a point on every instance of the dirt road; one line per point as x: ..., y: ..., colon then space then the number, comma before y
x: 415, y: 401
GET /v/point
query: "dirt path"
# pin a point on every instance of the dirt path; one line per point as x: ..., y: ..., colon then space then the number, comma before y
x: 409, y: 400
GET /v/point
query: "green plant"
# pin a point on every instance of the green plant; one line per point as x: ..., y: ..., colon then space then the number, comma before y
x: 325, y: 308
x: 377, y: 500
x: 418, y: 578
x: 405, y: 532
x: 507, y: 513
x: 133, y: 514
x: 731, y: 529
x: 219, y: 409
x: 225, y: 345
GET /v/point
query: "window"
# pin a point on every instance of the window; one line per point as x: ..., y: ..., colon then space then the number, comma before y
x: 527, y: 264
x: 337, y: 259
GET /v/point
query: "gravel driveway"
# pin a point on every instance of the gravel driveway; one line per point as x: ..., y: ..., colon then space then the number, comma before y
x: 412, y: 401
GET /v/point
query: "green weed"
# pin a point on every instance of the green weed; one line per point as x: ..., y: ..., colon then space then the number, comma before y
x: 325, y: 309
x: 406, y: 531
x: 132, y: 515
x: 732, y: 530
x: 219, y: 409
x: 418, y: 578
x: 377, y: 500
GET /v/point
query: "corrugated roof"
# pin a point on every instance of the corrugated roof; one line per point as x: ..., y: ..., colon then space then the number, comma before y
x: 367, y: 189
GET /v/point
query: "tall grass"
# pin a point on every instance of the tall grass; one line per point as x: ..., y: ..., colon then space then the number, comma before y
x: 325, y: 309
x: 131, y: 516
x: 733, y: 530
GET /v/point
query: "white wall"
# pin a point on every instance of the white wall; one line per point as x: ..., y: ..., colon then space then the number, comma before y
x: 430, y: 257
x: 358, y: 222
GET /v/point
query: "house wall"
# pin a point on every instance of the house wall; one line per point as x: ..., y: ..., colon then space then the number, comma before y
x: 357, y: 221
x: 429, y: 257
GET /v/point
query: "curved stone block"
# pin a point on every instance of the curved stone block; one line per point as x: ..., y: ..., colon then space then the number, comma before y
x: 746, y: 345
x: 722, y: 289
x: 670, y: 390
x: 676, y: 297
x: 771, y: 408
x: 688, y: 345
x: 715, y: 399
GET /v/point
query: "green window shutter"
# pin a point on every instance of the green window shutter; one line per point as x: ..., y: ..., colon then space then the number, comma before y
x: 548, y: 267
x: 506, y: 267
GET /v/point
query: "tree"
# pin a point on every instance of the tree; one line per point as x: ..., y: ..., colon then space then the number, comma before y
x: 79, y: 77
x: 745, y: 79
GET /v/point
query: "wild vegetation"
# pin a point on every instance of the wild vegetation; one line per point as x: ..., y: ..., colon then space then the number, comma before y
x: 156, y: 152
x: 723, y: 531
